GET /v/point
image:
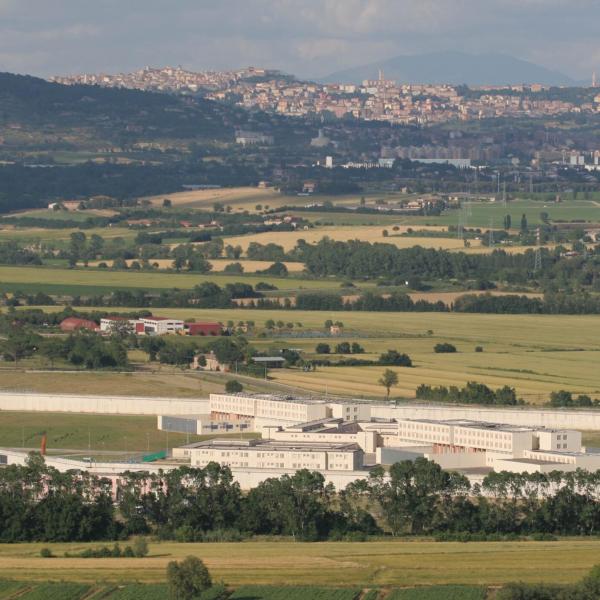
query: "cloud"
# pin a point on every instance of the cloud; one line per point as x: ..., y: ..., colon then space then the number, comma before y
x: 306, y: 37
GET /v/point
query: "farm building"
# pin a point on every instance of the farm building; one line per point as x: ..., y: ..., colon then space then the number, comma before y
x: 159, y: 325
x: 203, y: 328
x: 271, y: 362
x: 74, y: 324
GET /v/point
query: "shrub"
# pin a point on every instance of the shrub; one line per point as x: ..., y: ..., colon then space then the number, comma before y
x: 140, y: 547
x: 187, y: 579
x: 46, y: 553
x: 395, y: 358
x: 233, y: 386
x: 322, y: 349
x: 444, y: 348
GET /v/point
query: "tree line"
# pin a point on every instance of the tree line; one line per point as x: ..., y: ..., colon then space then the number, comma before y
x: 37, y: 503
x: 472, y: 393
x: 357, y: 259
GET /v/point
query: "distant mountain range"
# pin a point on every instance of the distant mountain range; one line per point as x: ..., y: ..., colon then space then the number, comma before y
x: 455, y: 68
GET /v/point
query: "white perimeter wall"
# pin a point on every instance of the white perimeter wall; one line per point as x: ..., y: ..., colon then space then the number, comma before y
x: 110, y: 405
x: 137, y: 405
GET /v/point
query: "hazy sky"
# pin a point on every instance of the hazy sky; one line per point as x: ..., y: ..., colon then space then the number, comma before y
x: 305, y: 37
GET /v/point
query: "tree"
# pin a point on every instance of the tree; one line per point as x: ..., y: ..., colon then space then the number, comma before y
x: 167, y: 203
x: 357, y: 348
x: 524, y: 226
x: 387, y: 380
x: 395, y: 358
x: 187, y: 579
x: 233, y: 386
x: 152, y: 345
x: 323, y: 348
x: 561, y: 398
x: 20, y: 344
x: 507, y: 222
x: 140, y: 547
x: 343, y: 348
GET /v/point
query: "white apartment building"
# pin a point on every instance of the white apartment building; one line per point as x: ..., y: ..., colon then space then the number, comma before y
x: 160, y: 325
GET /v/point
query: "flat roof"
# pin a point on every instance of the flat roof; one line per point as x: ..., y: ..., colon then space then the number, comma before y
x: 530, y: 461
x: 293, y: 399
x: 470, y: 424
x: 275, y: 445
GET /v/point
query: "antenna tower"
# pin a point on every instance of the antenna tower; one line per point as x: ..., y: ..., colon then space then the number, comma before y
x: 538, y: 251
x: 460, y: 230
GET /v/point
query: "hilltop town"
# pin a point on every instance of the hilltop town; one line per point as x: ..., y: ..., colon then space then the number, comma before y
x: 379, y: 99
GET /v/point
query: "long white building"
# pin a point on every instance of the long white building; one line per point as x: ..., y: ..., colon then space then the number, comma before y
x: 465, y: 444
x: 273, y: 410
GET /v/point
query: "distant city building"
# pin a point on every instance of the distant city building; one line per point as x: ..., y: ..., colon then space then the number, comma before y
x: 320, y: 141
x: 252, y: 138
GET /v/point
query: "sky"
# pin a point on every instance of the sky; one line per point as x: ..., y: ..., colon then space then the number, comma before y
x: 309, y: 38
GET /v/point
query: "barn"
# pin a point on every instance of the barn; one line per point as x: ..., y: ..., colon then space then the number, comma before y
x: 75, y: 323
x: 204, y: 328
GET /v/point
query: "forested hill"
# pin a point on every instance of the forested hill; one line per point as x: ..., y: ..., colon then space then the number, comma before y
x: 37, y: 114
x: 121, y: 143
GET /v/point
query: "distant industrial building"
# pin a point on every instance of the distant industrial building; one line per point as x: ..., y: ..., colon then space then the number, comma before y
x: 253, y: 138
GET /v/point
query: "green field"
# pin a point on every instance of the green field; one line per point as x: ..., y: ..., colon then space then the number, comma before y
x: 98, y: 279
x: 56, y: 591
x: 484, y: 214
x: 89, y: 433
x: 393, y: 563
x: 261, y: 592
x: 537, y: 354
x: 61, y: 236
x: 450, y: 592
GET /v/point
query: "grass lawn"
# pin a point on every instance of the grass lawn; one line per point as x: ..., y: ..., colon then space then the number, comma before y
x: 385, y: 563
x: 65, y: 431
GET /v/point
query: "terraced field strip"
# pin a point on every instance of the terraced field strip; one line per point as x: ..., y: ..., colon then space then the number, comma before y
x: 140, y: 591
x: 372, y: 234
x: 56, y: 591
x: 260, y: 592
x: 446, y: 592
x: 98, y: 278
x: 9, y: 589
x: 389, y: 564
